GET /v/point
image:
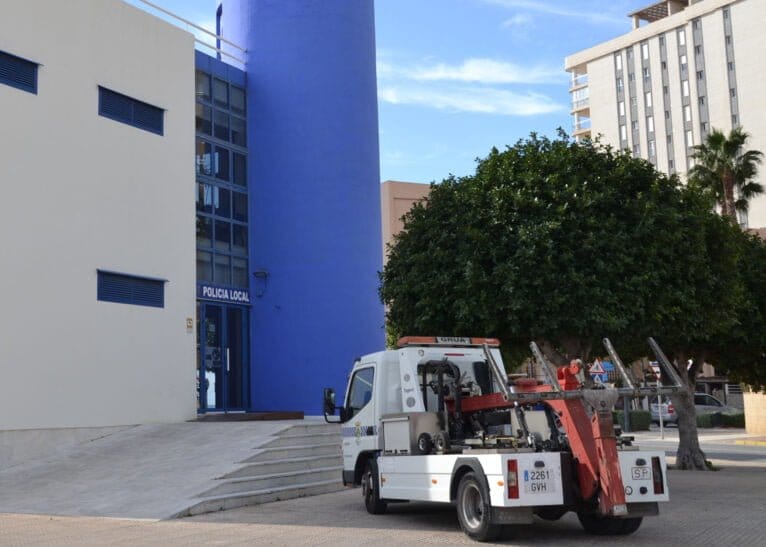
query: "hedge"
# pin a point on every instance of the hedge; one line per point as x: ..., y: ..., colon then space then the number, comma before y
x: 733, y: 420
x: 716, y: 419
x: 639, y: 419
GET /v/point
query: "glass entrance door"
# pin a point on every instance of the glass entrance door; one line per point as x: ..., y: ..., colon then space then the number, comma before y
x: 223, y: 357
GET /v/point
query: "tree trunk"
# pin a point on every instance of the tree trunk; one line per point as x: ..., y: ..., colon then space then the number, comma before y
x: 728, y: 196
x: 689, y: 455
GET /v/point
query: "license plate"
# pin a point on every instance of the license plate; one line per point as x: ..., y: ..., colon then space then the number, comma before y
x: 539, y: 481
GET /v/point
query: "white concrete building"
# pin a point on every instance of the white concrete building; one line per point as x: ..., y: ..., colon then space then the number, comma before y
x: 694, y: 65
x: 97, y: 217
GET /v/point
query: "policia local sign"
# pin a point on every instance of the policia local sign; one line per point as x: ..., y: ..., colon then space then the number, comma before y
x: 223, y: 294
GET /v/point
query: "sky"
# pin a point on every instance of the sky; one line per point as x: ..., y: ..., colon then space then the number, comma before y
x: 457, y: 77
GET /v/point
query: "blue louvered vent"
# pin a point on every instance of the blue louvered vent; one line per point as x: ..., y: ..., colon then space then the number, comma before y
x: 18, y: 72
x: 122, y: 108
x: 131, y: 289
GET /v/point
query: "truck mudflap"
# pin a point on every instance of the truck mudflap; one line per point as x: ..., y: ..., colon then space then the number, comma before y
x: 644, y: 478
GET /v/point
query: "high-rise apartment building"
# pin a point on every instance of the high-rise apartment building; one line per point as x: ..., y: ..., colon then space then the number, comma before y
x: 688, y: 66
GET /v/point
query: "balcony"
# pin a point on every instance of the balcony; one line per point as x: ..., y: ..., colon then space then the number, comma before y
x: 581, y: 128
x: 578, y: 80
x: 580, y: 99
x: 580, y: 104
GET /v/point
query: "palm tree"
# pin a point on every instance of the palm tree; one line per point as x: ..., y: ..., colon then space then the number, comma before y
x: 726, y: 171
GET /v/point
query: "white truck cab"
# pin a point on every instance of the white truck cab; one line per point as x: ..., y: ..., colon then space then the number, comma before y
x: 438, y: 420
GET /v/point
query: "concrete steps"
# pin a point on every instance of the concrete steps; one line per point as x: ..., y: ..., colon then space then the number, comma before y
x: 285, y: 464
x: 296, y: 451
x: 303, y: 460
x: 274, y: 480
x: 231, y: 501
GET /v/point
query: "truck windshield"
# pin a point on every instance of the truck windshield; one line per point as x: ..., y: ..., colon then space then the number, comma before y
x: 360, y: 392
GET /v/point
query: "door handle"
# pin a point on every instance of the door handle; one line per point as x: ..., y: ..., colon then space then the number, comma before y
x: 228, y: 367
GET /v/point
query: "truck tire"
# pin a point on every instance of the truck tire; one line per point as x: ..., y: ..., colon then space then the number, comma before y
x: 441, y: 442
x: 474, y: 509
x: 551, y: 512
x: 425, y: 444
x: 371, y: 489
x: 608, y: 526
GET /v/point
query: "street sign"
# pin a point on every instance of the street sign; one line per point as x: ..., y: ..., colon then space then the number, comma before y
x: 598, y: 373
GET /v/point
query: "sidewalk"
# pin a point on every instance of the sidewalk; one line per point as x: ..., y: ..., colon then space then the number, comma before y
x: 147, y: 471
x: 716, y: 435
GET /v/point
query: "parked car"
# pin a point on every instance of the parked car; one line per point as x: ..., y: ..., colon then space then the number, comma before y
x: 703, y: 404
x: 707, y: 404
x: 669, y: 415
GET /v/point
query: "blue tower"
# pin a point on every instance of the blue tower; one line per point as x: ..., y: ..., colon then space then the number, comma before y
x: 313, y: 177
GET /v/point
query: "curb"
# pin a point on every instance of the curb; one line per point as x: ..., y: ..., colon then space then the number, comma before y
x: 751, y: 443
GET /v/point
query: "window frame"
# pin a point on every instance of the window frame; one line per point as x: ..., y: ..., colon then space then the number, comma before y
x: 131, y: 282
x: 32, y: 87
x: 104, y: 92
x: 353, y: 411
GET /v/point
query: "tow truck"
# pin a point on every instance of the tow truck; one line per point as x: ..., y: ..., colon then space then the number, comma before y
x: 438, y: 419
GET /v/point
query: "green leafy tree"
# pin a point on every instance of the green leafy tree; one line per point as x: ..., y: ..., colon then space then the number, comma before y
x: 741, y: 355
x: 565, y: 243
x: 726, y: 171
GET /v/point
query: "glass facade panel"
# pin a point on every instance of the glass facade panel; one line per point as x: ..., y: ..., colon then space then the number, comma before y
x: 222, y: 202
x: 222, y: 269
x: 239, y: 272
x: 204, y: 119
x: 222, y: 235
x: 204, y: 158
x: 237, y: 99
x: 204, y: 232
x: 239, y: 239
x: 220, y: 92
x: 239, y: 206
x: 239, y: 171
x: 221, y: 163
x: 204, y: 198
x: 204, y: 266
x: 221, y: 128
x: 203, y: 86
x: 238, y: 135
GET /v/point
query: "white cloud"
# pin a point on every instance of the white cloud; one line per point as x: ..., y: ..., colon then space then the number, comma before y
x: 475, y: 70
x: 485, y: 100
x: 551, y: 9
x: 475, y: 85
x: 520, y: 20
x: 489, y: 71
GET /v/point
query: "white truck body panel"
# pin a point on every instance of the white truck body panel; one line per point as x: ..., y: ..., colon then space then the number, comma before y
x: 635, y: 476
x: 428, y: 478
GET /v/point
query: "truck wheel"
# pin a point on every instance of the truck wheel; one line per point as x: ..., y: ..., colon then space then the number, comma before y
x: 552, y: 512
x: 608, y: 526
x: 441, y: 441
x: 474, y: 509
x: 425, y: 444
x: 371, y: 489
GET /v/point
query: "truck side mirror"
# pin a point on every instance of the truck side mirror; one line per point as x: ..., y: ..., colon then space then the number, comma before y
x: 329, y: 401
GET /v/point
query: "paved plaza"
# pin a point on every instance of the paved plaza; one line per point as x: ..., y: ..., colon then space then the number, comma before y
x: 717, y: 508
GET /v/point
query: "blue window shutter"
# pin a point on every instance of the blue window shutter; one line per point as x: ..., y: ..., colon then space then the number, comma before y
x: 130, y: 111
x: 115, y: 106
x: 18, y: 72
x: 147, y: 117
x: 131, y: 289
